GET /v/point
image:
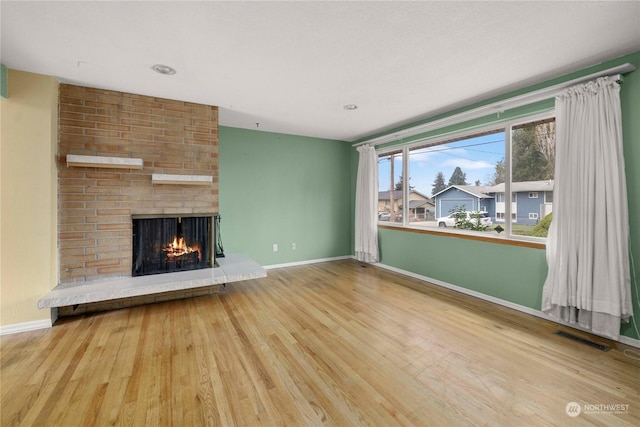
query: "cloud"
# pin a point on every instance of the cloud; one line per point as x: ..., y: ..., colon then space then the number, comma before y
x: 467, y: 164
x: 422, y: 156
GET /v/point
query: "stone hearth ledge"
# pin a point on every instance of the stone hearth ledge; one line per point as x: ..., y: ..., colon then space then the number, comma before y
x: 232, y: 268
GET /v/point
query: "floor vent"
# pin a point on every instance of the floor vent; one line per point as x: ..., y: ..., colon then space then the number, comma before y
x: 569, y: 335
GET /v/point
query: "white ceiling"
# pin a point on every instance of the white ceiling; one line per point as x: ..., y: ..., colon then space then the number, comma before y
x: 292, y: 66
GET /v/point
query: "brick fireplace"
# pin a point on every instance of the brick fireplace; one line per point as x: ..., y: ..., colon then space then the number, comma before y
x: 96, y: 203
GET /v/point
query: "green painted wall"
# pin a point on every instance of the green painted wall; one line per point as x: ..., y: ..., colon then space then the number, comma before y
x: 630, y: 99
x: 284, y: 189
x: 488, y: 268
x: 512, y: 273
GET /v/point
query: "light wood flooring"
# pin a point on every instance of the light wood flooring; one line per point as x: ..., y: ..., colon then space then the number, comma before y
x: 327, y: 344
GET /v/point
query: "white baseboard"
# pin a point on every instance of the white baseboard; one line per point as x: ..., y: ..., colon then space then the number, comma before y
x: 310, y: 261
x: 623, y: 339
x: 629, y: 341
x: 25, y: 327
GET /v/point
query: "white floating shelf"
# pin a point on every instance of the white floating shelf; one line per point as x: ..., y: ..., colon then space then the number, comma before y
x: 160, y: 178
x: 74, y: 160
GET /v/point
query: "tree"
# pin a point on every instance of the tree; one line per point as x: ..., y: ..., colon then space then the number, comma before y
x: 467, y: 220
x: 498, y: 174
x: 458, y: 177
x: 438, y: 184
x: 529, y: 163
x: 542, y: 228
x: 477, y: 183
x: 400, y: 184
x: 546, y: 143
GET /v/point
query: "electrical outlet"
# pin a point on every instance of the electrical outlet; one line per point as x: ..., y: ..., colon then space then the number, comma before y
x: 275, y: 247
x: 293, y: 246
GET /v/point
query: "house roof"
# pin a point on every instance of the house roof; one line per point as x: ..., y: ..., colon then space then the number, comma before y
x: 419, y: 203
x: 397, y: 194
x: 479, y: 191
x: 384, y: 195
x: 518, y: 187
x: 290, y: 67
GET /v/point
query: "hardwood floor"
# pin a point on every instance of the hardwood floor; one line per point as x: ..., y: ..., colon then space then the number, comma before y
x: 326, y: 344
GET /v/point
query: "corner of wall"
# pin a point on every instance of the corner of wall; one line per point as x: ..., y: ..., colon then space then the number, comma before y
x: 3, y: 81
x: 28, y: 195
x: 53, y: 187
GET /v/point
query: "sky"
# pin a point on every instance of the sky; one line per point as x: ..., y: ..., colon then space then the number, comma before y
x: 477, y: 157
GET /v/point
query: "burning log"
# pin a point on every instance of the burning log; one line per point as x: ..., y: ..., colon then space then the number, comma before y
x: 178, y: 248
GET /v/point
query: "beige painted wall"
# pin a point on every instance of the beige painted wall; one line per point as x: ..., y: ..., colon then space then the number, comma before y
x: 28, y: 196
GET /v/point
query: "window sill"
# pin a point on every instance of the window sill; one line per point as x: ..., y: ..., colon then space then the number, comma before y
x: 468, y: 236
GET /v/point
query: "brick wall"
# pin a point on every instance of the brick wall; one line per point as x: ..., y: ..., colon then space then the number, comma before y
x: 95, y: 204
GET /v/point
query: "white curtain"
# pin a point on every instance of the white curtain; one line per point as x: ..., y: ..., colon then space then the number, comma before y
x: 587, y: 248
x: 366, y: 232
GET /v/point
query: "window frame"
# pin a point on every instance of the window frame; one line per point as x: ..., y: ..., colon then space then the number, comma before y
x: 506, y: 126
x: 392, y: 221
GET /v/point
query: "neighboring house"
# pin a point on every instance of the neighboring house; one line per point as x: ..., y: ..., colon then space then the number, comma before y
x: 468, y: 197
x: 420, y: 206
x: 530, y: 201
x: 384, y: 201
x: 421, y: 210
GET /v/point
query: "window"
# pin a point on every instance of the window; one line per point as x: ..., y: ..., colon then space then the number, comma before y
x: 469, y: 172
x: 390, y: 199
x: 533, y: 152
x: 452, y: 174
x: 548, y: 196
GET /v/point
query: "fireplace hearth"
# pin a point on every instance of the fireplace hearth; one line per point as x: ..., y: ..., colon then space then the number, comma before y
x: 167, y: 244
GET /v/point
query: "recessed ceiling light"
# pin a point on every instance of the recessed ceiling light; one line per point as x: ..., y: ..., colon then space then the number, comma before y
x: 163, y: 69
x: 350, y: 107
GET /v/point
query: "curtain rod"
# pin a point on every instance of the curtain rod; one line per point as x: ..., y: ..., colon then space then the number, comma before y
x: 499, y: 106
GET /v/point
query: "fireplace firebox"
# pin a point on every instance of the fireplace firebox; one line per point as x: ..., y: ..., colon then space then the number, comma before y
x: 166, y: 244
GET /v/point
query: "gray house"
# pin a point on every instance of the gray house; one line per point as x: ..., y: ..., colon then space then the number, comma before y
x: 530, y: 201
x: 469, y: 197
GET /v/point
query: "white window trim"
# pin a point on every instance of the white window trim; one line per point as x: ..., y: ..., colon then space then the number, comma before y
x: 522, y: 100
x: 533, y: 194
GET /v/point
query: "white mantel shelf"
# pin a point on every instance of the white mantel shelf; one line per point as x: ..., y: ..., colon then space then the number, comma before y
x: 75, y: 160
x: 160, y: 178
x: 232, y: 268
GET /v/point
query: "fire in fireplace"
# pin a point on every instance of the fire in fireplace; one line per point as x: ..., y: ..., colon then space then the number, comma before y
x: 169, y: 244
